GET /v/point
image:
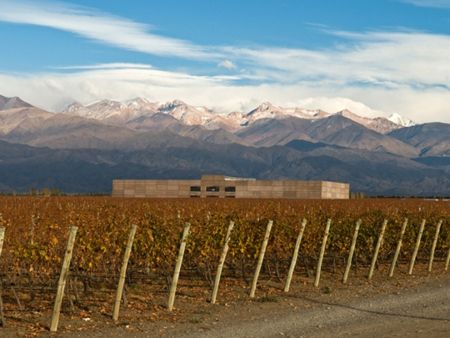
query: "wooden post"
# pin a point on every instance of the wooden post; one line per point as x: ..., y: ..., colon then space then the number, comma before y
x: 2, y: 237
x: 433, y: 249
x: 223, y: 256
x: 416, y: 249
x: 295, y: 256
x: 63, y: 278
x: 322, y: 253
x: 377, y: 249
x: 397, y: 250
x: 123, y: 272
x: 262, y: 252
x: 352, y: 250
x: 176, y: 273
x: 447, y: 261
x: 2, y: 315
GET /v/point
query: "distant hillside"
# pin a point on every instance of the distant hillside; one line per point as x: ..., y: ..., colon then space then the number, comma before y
x: 84, y: 148
x: 12, y: 102
x: 90, y: 170
x: 430, y: 139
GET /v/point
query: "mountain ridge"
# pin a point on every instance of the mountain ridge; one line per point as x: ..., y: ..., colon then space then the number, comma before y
x: 107, y: 110
x: 24, y: 167
x: 141, y: 139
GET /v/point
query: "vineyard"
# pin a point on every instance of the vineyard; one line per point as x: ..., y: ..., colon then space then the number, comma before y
x: 36, y: 234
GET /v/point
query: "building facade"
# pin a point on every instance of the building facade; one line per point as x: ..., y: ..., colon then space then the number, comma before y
x: 230, y: 187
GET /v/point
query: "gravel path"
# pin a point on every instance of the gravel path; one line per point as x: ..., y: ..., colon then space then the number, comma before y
x: 420, y: 308
x: 421, y: 313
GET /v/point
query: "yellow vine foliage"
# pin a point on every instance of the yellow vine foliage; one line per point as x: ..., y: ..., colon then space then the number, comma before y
x: 37, y: 230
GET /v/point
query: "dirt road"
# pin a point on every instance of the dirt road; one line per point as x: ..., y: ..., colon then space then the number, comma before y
x: 421, y: 313
x: 404, y: 306
x: 420, y: 309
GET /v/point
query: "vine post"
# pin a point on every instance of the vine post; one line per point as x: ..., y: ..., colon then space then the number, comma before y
x: 62, y: 279
x: 322, y: 253
x: 123, y: 272
x: 223, y: 256
x: 176, y: 273
x: 447, y: 261
x: 295, y: 256
x: 352, y: 250
x: 262, y: 252
x: 377, y: 249
x: 433, y: 248
x: 399, y: 246
x: 2, y: 316
x: 416, y: 248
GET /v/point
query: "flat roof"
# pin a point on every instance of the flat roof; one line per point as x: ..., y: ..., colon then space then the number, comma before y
x: 229, y: 178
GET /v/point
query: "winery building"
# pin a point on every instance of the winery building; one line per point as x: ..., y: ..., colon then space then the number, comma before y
x: 230, y: 187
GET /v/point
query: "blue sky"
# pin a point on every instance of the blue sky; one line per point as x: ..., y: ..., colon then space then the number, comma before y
x: 389, y: 55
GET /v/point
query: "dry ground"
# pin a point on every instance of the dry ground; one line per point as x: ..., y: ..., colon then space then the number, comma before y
x: 407, y: 306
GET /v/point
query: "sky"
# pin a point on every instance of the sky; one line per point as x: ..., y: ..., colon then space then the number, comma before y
x: 375, y: 57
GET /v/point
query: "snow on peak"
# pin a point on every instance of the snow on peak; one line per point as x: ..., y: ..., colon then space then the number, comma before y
x: 268, y: 110
x: 190, y: 115
x: 113, y: 110
x: 265, y: 110
x: 266, y: 106
x: 339, y: 104
x: 400, y: 120
x: 73, y: 107
x: 138, y: 103
x: 124, y: 112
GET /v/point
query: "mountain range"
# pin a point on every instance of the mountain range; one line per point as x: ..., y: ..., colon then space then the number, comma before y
x: 84, y: 147
x: 139, y: 109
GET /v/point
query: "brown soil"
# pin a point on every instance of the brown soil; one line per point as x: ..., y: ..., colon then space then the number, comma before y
x: 411, y: 306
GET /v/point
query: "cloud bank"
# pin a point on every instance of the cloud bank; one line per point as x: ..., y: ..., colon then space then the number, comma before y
x: 53, y: 91
x: 401, y: 71
x: 100, y: 27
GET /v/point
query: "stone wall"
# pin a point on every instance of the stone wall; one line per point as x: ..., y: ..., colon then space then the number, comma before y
x: 227, y: 187
x: 278, y: 189
x: 335, y: 190
x: 153, y: 188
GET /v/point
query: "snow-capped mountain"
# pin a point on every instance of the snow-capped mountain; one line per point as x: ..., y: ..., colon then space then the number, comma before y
x: 187, y: 114
x: 129, y: 112
x: 113, y: 111
x: 140, y: 138
x: 400, y: 120
x: 269, y: 111
x: 337, y: 104
x: 379, y: 124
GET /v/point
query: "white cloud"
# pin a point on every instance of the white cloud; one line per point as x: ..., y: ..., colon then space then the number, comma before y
x: 334, y: 104
x: 116, y: 65
x: 227, y: 64
x: 400, y: 71
x: 388, y: 59
x: 54, y: 91
x: 105, y: 28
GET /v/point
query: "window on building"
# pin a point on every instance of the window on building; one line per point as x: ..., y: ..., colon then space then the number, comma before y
x: 230, y: 189
x: 230, y: 196
x: 196, y: 188
x: 213, y: 188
